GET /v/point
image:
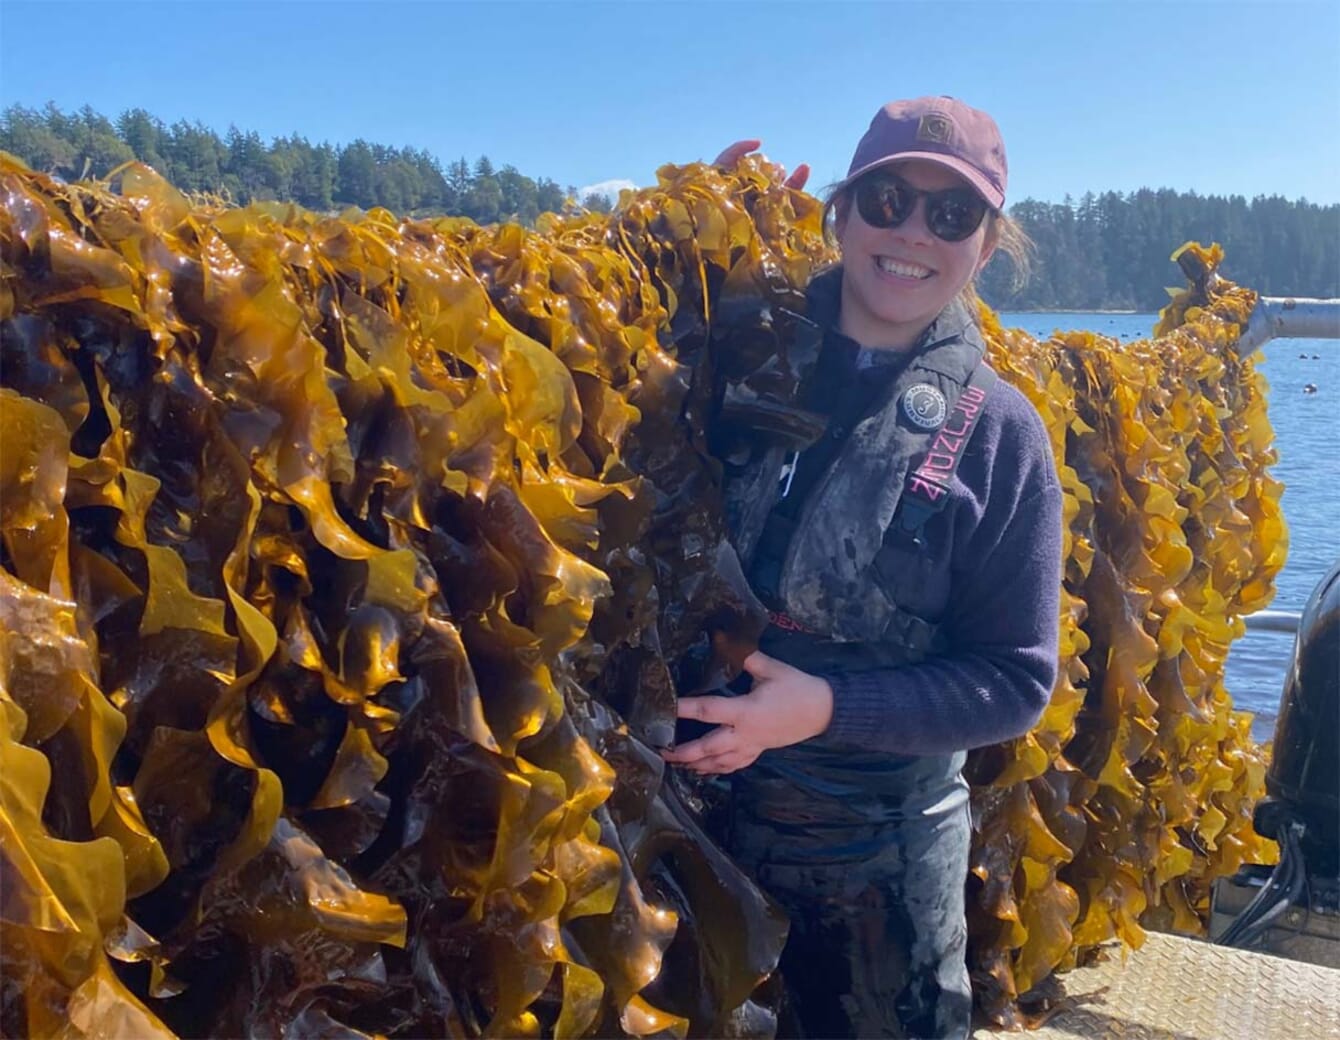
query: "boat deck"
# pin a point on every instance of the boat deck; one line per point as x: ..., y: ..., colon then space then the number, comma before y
x: 1176, y: 988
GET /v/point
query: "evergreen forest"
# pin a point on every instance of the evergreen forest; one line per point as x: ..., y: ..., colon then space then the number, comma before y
x: 1105, y: 251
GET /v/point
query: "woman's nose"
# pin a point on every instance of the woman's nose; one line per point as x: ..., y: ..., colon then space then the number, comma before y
x: 914, y: 228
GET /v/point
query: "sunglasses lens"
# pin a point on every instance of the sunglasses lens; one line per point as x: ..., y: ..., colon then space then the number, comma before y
x: 954, y: 215
x: 884, y: 202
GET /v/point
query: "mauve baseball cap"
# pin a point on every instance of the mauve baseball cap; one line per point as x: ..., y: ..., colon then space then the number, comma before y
x: 942, y: 130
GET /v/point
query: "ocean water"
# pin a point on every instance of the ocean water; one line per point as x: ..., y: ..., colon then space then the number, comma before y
x: 1307, y: 441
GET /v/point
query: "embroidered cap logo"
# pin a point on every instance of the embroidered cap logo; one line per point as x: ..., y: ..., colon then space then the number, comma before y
x: 924, y: 406
x: 934, y: 127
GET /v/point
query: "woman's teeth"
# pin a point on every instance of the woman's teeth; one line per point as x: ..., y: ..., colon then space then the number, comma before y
x: 899, y: 267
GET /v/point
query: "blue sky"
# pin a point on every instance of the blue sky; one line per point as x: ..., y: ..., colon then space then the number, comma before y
x: 1207, y: 95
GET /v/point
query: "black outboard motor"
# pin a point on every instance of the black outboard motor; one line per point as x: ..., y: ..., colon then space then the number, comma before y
x: 1294, y: 910
x: 1303, y: 782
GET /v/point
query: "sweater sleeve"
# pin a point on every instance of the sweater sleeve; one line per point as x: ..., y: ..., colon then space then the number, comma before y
x: 1003, y: 627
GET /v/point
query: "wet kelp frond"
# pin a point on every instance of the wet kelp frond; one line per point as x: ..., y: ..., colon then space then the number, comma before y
x: 351, y: 567
x: 1136, y: 789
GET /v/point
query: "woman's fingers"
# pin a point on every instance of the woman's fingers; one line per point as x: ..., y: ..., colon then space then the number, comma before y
x: 723, y: 763
x: 721, y: 741
x: 735, y: 152
x: 725, y: 710
x: 799, y: 177
x: 723, y: 750
x: 761, y: 666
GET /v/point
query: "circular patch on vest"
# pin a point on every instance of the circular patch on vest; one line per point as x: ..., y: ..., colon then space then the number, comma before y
x: 925, y: 406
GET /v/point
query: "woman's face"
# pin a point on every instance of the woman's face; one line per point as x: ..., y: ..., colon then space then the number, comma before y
x: 895, y: 281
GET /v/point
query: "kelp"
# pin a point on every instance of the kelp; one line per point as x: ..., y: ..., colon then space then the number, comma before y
x: 352, y: 566
x: 1136, y: 789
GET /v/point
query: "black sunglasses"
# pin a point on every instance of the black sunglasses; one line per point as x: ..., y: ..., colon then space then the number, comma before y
x: 885, y: 200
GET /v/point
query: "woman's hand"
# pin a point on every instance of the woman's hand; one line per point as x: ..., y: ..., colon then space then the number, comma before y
x: 734, y: 153
x: 785, y: 707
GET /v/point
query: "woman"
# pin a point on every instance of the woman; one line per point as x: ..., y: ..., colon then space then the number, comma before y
x: 911, y: 565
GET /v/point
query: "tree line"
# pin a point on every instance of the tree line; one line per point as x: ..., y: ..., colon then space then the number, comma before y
x: 1107, y: 251
x: 242, y: 167
x: 1111, y: 251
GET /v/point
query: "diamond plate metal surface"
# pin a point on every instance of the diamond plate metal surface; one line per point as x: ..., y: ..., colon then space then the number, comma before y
x: 1174, y: 988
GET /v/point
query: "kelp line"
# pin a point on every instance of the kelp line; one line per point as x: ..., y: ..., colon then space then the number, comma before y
x: 351, y: 567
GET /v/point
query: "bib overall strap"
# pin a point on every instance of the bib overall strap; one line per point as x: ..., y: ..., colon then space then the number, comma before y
x: 926, y: 487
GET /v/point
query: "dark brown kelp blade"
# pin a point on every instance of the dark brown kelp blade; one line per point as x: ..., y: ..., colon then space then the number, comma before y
x: 351, y: 567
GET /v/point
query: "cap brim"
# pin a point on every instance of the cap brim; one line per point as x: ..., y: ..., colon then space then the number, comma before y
x: 993, y: 195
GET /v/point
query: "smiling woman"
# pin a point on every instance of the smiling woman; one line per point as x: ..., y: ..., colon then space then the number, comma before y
x: 914, y: 609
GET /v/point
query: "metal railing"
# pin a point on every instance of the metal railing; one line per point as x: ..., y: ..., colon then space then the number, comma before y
x: 1289, y: 317
x: 1286, y: 317
x: 1282, y: 621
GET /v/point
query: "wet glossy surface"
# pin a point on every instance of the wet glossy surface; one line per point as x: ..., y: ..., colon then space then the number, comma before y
x: 350, y: 568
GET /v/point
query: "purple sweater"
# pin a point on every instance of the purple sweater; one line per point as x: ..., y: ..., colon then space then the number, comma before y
x: 1001, y: 538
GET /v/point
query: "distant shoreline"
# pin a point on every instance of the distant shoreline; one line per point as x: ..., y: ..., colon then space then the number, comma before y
x: 1063, y: 310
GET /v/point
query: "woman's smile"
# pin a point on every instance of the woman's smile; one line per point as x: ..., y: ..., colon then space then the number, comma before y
x: 903, y: 270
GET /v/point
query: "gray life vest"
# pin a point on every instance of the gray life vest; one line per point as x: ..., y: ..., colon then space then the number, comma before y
x: 850, y: 570
x: 854, y: 591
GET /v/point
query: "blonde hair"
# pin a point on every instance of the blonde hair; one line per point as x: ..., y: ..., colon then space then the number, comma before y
x: 1003, y: 234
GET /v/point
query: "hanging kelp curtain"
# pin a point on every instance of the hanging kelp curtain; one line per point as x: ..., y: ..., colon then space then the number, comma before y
x: 351, y: 566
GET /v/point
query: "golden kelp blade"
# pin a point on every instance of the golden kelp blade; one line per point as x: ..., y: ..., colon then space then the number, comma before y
x: 1175, y: 533
x: 338, y: 533
x: 371, y: 553
x: 64, y: 900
